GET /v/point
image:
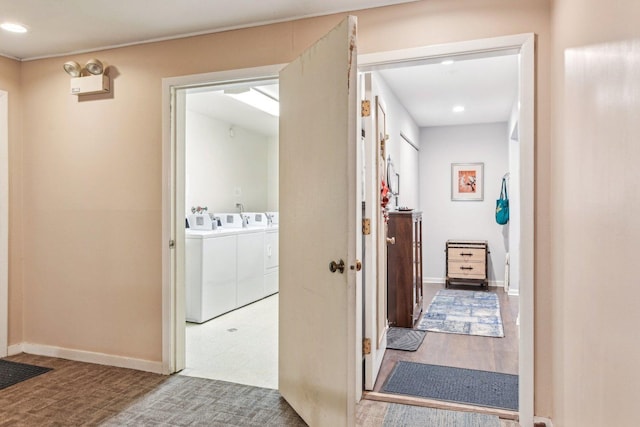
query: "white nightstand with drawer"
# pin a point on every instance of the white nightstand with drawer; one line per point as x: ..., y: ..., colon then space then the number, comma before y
x: 467, y: 262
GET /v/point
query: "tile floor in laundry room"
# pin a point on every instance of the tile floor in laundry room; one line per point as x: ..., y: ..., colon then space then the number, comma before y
x: 239, y: 347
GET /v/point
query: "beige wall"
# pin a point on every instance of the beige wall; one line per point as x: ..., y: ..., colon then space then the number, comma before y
x: 595, y: 297
x: 10, y: 83
x: 92, y: 170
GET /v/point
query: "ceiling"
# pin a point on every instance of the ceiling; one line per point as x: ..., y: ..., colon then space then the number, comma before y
x: 213, y: 102
x: 487, y: 87
x: 71, y: 26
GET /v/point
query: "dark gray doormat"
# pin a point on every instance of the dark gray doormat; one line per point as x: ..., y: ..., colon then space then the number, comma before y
x: 404, y: 339
x: 13, y: 372
x: 482, y: 388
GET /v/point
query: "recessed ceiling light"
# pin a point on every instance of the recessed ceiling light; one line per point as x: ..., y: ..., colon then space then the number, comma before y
x: 458, y: 109
x: 447, y: 62
x: 13, y: 27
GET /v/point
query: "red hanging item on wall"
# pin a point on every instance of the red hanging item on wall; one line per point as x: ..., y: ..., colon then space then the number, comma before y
x: 384, y: 199
x: 384, y: 194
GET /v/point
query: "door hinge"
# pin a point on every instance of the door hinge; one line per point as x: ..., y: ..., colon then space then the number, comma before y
x: 366, y: 346
x: 366, y: 108
x: 366, y: 226
x: 172, y: 244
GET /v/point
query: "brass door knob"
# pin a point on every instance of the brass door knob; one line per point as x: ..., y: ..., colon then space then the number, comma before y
x: 336, y: 266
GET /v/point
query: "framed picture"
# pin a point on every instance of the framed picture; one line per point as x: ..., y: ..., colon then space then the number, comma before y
x: 467, y: 181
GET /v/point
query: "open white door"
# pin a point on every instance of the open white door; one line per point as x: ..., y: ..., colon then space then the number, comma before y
x: 319, y: 213
x: 375, y: 287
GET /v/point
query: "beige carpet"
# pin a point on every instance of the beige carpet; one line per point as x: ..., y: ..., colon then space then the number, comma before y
x: 75, y: 394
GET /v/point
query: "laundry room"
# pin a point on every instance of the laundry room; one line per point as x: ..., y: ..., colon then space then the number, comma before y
x: 231, y: 240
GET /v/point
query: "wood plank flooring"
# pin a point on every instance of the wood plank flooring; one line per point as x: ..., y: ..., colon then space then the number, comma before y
x: 371, y: 413
x: 463, y: 351
x: 460, y: 351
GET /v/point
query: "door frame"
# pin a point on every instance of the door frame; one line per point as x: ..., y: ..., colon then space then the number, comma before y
x: 4, y: 223
x: 173, y: 300
x: 524, y: 44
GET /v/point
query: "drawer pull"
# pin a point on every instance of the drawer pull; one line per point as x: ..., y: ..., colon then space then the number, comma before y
x: 466, y: 268
x: 466, y: 254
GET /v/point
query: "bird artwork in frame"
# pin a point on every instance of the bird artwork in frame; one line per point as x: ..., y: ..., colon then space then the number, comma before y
x: 467, y: 181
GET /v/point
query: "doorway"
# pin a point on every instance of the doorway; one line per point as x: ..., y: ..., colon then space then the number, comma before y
x: 229, y: 136
x: 425, y: 135
x: 174, y: 202
x: 522, y: 46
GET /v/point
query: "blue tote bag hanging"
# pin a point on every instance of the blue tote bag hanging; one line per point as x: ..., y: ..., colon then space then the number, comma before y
x: 502, y: 205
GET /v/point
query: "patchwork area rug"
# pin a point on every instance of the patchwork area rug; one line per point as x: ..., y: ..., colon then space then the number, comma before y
x: 404, y: 339
x: 482, y: 388
x: 463, y: 312
x: 410, y: 416
x: 13, y: 372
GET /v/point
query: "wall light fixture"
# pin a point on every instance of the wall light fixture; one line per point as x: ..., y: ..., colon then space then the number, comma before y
x: 72, y: 68
x: 94, y: 66
x: 88, y: 80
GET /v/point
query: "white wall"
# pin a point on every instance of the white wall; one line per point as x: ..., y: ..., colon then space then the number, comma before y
x: 222, y: 170
x: 444, y: 219
x: 512, y: 228
x: 596, y: 206
x: 405, y: 158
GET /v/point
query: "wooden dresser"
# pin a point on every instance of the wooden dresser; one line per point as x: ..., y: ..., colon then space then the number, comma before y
x: 467, y: 262
x: 404, y: 269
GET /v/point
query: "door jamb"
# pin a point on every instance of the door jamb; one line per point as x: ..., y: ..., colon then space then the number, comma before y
x: 525, y: 44
x: 4, y: 223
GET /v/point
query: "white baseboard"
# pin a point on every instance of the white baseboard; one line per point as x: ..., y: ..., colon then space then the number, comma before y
x: 514, y: 292
x: 547, y: 421
x: 15, y: 349
x: 89, y: 357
